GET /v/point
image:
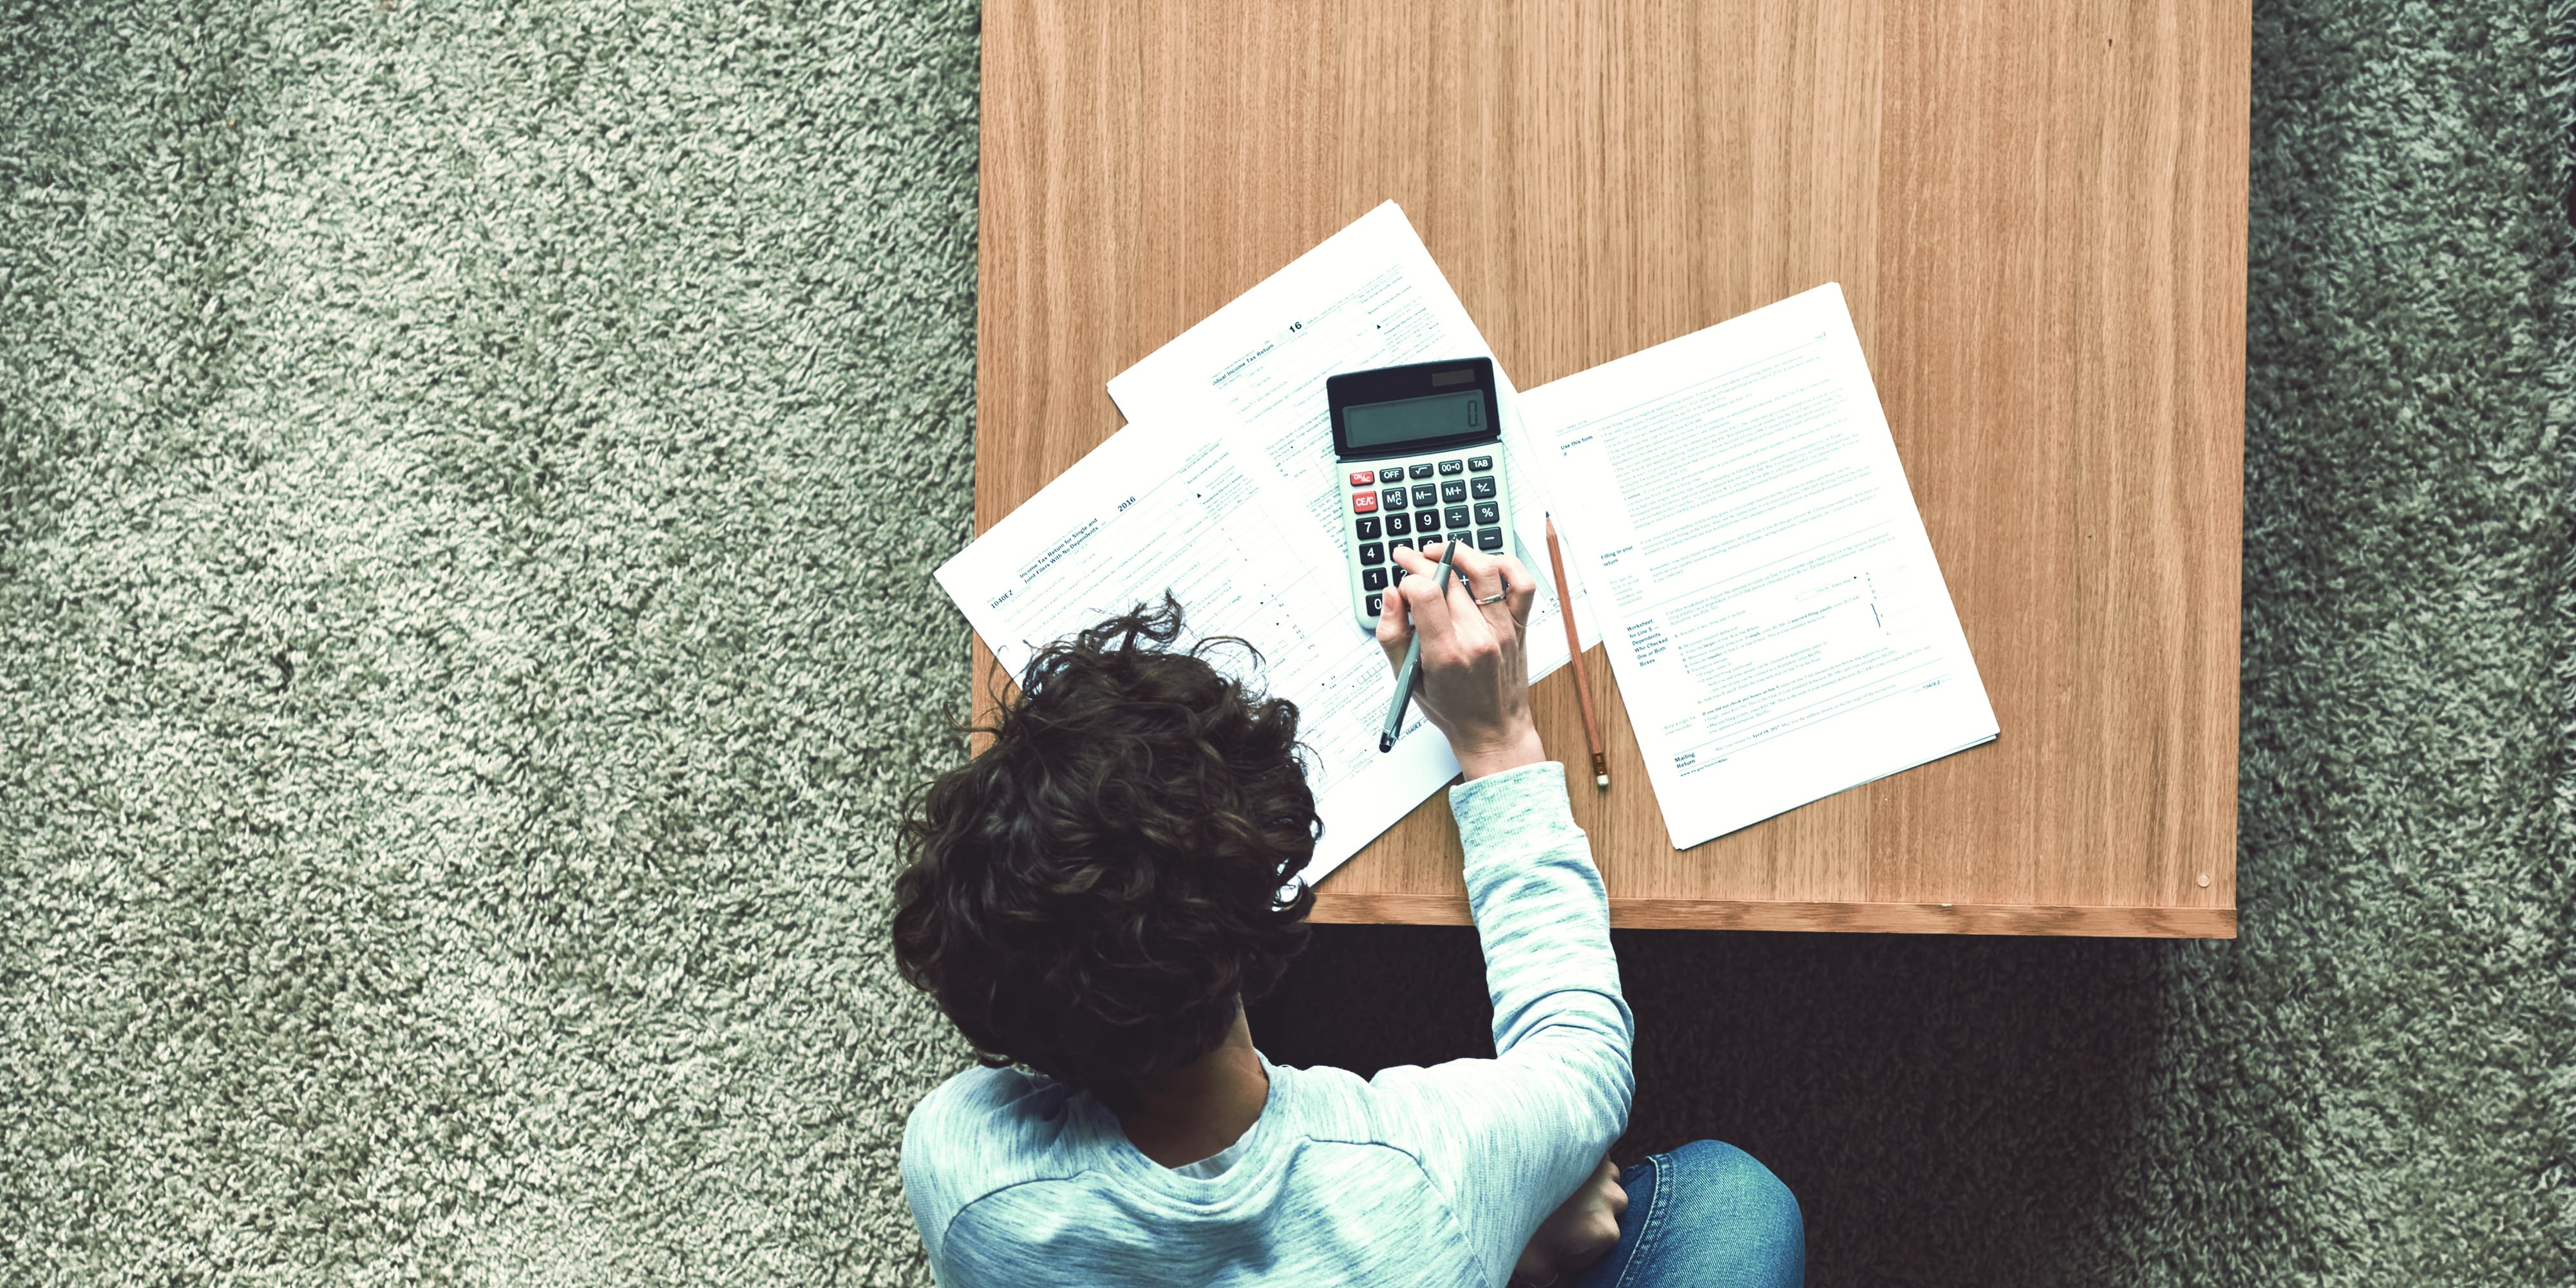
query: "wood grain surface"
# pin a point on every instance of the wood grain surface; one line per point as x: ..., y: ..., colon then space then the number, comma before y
x: 2036, y: 210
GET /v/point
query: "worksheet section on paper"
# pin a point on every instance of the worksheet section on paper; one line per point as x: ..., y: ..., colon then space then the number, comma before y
x: 1156, y: 509
x: 1369, y: 296
x: 1778, y: 624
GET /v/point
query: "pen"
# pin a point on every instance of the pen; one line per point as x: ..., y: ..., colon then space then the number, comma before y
x: 1412, y: 661
x: 1574, y: 651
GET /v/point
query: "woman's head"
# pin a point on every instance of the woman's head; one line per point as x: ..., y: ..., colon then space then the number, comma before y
x: 1095, y: 894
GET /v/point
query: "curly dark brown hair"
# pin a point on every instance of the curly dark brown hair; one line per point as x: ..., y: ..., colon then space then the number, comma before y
x: 1094, y: 895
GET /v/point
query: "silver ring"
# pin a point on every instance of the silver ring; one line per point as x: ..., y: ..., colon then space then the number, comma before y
x: 1489, y: 599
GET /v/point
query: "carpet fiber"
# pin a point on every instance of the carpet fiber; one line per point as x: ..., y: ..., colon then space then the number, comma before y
x: 468, y: 484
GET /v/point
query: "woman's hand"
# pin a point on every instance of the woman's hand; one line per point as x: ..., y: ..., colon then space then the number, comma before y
x: 1475, y: 682
x: 1579, y: 1232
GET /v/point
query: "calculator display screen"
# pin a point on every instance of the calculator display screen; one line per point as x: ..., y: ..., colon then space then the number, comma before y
x: 1367, y: 425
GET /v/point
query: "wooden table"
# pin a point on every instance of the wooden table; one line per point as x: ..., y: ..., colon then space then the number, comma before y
x: 2037, y: 211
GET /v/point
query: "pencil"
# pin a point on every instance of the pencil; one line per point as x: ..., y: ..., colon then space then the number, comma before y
x: 1574, y: 654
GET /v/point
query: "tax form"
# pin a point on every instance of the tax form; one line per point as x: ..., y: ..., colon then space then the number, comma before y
x: 1777, y: 622
x: 1369, y: 296
x: 1161, y: 508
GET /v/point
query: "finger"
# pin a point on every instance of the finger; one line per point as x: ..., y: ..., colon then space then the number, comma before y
x: 1523, y: 594
x: 1486, y: 579
x: 1428, y: 608
x: 1394, y: 625
x: 1467, y: 624
x: 1483, y: 575
x: 1403, y: 562
x: 1470, y: 630
x: 1439, y: 550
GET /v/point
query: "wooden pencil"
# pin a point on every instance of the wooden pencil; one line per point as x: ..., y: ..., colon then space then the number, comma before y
x: 1574, y: 656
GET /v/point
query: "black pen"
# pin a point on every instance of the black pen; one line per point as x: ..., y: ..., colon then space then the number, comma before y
x: 1412, y: 661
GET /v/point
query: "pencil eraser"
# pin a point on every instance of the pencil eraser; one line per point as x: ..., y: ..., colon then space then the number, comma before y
x: 1601, y: 780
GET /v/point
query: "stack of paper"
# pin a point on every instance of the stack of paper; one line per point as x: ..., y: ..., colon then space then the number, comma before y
x: 1775, y: 617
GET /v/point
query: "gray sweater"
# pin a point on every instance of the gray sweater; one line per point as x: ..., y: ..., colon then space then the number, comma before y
x: 1415, y: 1176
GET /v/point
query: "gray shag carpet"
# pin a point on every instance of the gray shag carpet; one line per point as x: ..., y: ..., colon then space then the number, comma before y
x: 468, y: 484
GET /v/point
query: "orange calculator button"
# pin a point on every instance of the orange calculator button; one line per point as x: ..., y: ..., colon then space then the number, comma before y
x: 1363, y: 502
x: 1362, y: 478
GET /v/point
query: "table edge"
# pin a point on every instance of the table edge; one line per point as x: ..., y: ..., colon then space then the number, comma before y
x: 2122, y: 921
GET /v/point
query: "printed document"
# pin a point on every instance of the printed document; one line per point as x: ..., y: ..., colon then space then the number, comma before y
x: 1774, y: 614
x: 1161, y: 508
x: 1369, y: 296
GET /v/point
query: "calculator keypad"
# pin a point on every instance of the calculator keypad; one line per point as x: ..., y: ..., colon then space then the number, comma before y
x: 1402, y: 507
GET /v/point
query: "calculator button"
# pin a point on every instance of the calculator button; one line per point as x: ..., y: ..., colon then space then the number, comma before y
x: 1362, y: 478
x: 1400, y: 545
x: 1489, y: 539
x: 1368, y: 529
x: 1451, y: 493
x: 1374, y: 603
x: 1372, y: 578
x: 1427, y: 521
x: 1394, y: 498
x: 1481, y: 489
x: 1457, y: 516
x: 1422, y: 471
x: 1480, y: 464
x: 1363, y: 502
x: 1372, y: 553
x: 1425, y: 494
x: 1452, y: 466
x: 1489, y: 512
x: 1398, y: 525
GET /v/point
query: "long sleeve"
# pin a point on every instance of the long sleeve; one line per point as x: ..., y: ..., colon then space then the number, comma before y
x: 1417, y: 1176
x: 1509, y: 1138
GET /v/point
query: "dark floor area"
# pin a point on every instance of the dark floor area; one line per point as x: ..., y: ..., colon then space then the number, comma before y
x: 1953, y: 1102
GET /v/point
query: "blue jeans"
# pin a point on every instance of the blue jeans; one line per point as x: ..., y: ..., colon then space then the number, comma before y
x: 1704, y: 1215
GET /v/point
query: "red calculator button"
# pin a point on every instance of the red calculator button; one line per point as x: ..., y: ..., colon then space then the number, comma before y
x: 1362, y: 478
x: 1363, y: 502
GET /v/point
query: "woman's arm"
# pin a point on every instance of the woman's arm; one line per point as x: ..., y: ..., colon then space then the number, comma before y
x: 1512, y: 1137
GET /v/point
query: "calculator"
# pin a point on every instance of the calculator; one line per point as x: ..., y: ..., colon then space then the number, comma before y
x: 1418, y: 460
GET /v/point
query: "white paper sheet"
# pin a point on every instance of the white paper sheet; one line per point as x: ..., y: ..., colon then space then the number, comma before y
x: 1161, y: 507
x: 1777, y: 622
x: 1369, y: 296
